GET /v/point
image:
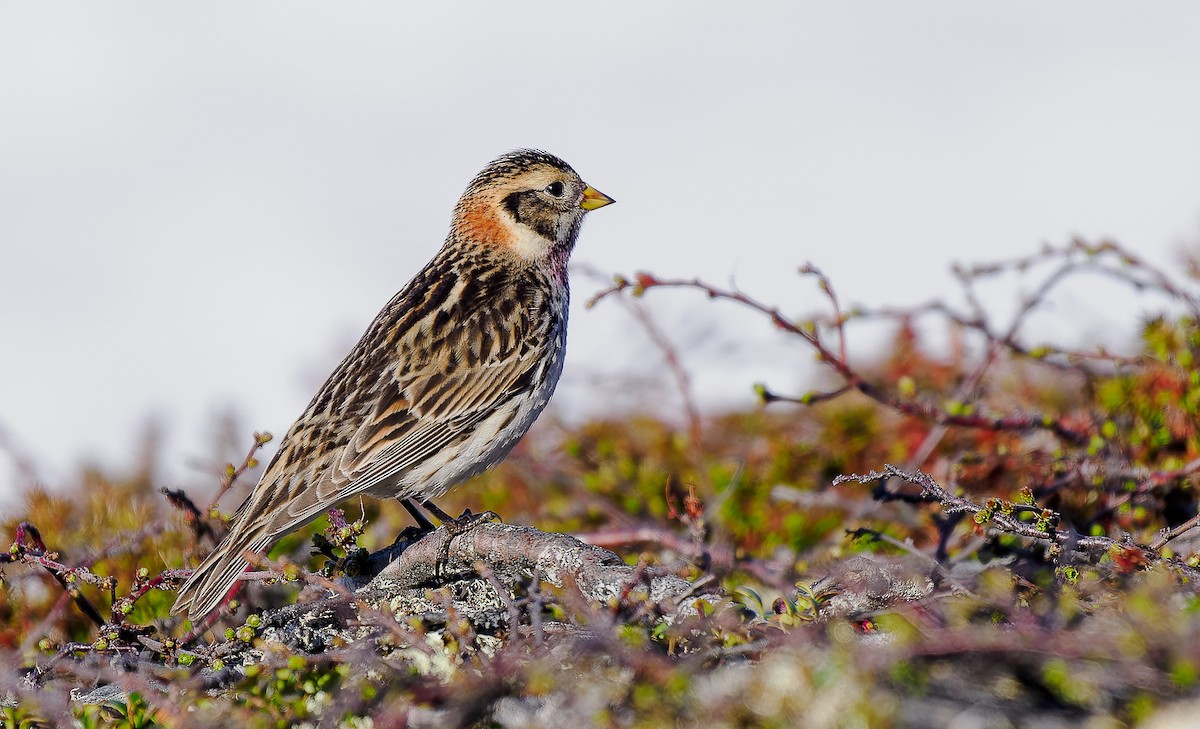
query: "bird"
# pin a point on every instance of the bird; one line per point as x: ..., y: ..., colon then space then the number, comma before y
x: 447, y: 378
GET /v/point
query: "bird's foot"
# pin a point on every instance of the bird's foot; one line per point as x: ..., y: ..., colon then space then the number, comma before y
x: 465, y: 522
x: 453, y: 527
x: 423, y: 524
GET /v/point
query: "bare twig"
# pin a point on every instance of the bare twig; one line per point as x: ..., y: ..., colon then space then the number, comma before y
x: 683, y: 381
x: 31, y: 549
x: 1004, y: 517
x: 232, y: 473
x: 995, y: 346
x: 645, y: 281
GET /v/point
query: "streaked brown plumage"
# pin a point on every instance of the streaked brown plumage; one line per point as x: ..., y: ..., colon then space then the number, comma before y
x: 448, y: 377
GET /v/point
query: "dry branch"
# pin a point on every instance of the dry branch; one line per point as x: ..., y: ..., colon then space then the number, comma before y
x: 1065, y: 544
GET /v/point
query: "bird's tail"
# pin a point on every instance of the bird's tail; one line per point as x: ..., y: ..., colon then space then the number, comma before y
x: 211, y: 582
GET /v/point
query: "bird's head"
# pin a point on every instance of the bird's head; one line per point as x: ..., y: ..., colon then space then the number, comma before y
x: 528, y: 204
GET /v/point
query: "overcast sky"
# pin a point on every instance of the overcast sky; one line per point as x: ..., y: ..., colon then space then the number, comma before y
x: 202, y: 205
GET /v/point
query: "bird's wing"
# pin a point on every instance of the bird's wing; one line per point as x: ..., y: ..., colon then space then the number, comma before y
x: 425, y: 410
x: 433, y: 412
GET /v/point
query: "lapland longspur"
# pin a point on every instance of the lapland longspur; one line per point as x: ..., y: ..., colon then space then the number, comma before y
x: 448, y: 377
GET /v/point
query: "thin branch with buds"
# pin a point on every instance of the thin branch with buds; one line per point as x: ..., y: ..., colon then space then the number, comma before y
x: 232, y: 473
x: 854, y: 380
x: 1005, y: 517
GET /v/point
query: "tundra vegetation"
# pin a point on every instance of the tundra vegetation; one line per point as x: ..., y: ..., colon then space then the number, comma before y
x: 989, y: 528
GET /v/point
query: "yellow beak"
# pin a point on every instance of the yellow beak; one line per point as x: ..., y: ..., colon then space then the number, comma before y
x: 593, y: 199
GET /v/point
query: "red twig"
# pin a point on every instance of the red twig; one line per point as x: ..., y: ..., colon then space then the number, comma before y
x: 645, y: 281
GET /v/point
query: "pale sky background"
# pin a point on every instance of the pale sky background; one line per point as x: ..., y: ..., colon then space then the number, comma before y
x: 202, y: 205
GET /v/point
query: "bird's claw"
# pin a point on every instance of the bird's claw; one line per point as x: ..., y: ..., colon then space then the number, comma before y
x: 465, y: 522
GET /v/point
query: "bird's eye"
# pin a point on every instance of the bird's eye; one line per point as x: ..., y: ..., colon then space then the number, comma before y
x: 555, y: 189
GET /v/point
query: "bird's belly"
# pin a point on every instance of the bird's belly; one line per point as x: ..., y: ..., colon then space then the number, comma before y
x: 487, y: 444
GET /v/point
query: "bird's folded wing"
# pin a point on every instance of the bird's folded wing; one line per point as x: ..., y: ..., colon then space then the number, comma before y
x: 425, y: 413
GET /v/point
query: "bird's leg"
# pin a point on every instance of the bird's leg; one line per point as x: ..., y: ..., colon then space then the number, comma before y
x: 465, y: 522
x: 436, y: 510
x: 422, y: 522
x: 411, y: 534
